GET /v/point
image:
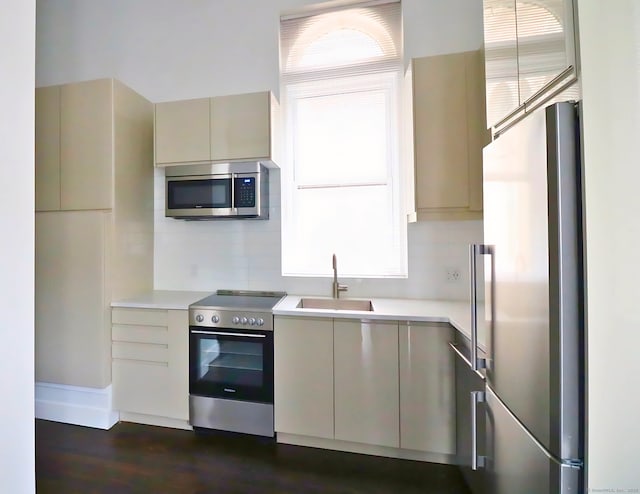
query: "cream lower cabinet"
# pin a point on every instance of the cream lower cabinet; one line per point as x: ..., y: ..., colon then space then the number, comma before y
x: 366, y: 382
x: 303, y: 368
x: 71, y: 298
x: 427, y: 388
x: 150, y: 366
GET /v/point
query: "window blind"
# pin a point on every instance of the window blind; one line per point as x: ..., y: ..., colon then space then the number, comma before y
x: 361, y: 34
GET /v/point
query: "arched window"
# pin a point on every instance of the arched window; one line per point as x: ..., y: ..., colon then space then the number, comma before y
x: 340, y: 90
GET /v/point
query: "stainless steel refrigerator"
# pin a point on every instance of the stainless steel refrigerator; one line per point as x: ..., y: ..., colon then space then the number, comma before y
x: 534, y: 312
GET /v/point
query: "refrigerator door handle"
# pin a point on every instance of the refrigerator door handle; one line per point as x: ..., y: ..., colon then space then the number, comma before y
x: 476, y: 460
x: 474, y: 251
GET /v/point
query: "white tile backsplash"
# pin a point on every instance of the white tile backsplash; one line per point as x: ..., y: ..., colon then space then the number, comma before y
x: 246, y: 254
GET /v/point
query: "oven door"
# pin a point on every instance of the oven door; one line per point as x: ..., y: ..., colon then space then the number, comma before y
x: 194, y: 196
x: 229, y: 363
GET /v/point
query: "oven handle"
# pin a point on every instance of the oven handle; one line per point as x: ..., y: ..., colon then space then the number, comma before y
x: 220, y: 333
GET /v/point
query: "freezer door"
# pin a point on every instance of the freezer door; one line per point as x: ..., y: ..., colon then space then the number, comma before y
x: 468, y: 381
x: 531, y: 218
x: 516, y: 462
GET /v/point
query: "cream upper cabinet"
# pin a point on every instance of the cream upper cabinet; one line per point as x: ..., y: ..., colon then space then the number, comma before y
x: 47, y: 152
x: 448, y: 135
x: 182, y: 131
x: 303, y: 370
x: 240, y: 127
x: 427, y: 388
x: 86, y: 145
x: 79, y: 129
x: 150, y: 351
x: 529, y: 54
x: 366, y: 382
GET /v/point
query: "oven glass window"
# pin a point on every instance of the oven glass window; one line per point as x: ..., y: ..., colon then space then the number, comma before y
x: 236, y: 363
x: 204, y: 193
x: 232, y: 366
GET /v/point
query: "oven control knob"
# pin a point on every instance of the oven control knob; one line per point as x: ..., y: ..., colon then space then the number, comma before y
x: 235, y: 320
x: 260, y: 321
x: 215, y: 319
x: 199, y: 318
x: 243, y: 320
x: 252, y: 321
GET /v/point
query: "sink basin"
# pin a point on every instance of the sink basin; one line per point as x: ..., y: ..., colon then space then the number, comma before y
x: 335, y: 304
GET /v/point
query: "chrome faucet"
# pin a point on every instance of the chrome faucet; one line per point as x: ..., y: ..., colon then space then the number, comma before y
x: 337, y: 287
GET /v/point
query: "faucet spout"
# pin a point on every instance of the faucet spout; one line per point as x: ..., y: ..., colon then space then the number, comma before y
x: 337, y: 287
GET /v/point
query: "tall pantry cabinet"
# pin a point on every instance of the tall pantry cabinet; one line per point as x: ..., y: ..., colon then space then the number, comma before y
x: 94, y: 223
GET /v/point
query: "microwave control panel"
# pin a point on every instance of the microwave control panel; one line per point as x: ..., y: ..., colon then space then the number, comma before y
x: 245, y: 192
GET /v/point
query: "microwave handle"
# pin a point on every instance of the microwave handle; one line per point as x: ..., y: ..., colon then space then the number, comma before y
x: 233, y: 192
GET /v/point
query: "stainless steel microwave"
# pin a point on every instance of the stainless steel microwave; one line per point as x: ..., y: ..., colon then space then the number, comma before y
x: 214, y: 191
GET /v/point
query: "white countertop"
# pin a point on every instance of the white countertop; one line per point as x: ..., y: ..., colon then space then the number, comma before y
x: 162, y: 299
x: 456, y: 313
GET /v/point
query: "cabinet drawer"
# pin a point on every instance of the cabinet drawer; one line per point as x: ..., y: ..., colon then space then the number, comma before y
x: 142, y: 388
x: 140, y: 351
x: 140, y: 334
x: 143, y: 317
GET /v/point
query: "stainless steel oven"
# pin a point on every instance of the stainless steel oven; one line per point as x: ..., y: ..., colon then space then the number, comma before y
x: 231, y: 362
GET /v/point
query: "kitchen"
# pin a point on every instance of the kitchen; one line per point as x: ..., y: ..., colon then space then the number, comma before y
x: 196, y: 270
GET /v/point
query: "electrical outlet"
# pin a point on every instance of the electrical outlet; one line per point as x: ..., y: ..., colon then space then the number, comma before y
x: 453, y: 274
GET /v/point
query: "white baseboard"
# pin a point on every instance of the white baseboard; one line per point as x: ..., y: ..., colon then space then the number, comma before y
x: 90, y: 407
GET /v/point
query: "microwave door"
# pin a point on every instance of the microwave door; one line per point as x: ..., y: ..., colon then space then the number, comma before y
x: 199, y: 196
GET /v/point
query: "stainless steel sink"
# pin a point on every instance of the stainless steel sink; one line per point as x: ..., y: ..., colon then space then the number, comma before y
x: 335, y: 304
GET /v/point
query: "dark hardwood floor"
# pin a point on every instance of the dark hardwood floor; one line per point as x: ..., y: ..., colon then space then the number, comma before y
x: 132, y: 458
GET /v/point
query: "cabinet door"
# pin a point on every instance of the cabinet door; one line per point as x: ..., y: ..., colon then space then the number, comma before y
x: 366, y: 382
x: 545, y: 43
x: 303, y: 368
x: 86, y: 145
x: 140, y: 387
x: 182, y: 131
x: 72, y: 330
x: 478, y: 134
x: 241, y: 127
x: 427, y: 397
x: 47, y: 148
x: 501, y: 59
x: 441, y: 138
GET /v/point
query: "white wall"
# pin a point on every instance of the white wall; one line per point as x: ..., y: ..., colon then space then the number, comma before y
x: 169, y: 50
x: 17, y: 51
x: 610, y: 54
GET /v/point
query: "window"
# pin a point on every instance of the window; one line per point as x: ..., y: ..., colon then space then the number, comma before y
x: 340, y: 89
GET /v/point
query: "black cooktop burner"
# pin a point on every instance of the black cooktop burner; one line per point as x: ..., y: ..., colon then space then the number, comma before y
x: 230, y: 299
